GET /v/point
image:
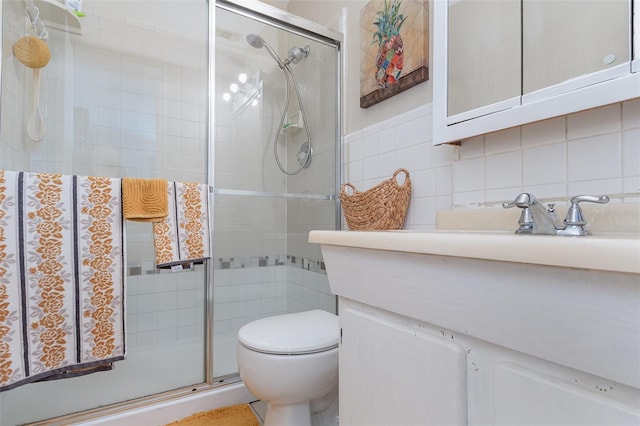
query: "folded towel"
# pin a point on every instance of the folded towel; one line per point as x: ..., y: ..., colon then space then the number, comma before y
x: 183, y: 237
x: 62, y: 274
x: 144, y: 200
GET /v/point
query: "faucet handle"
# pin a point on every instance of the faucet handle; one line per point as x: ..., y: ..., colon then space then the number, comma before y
x: 574, y: 214
x: 573, y: 221
x: 522, y: 201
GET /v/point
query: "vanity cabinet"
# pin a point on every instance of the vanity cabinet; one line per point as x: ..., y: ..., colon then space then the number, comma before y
x: 503, y: 63
x: 432, y: 339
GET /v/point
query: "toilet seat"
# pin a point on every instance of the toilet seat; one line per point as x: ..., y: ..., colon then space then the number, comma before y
x: 292, y: 334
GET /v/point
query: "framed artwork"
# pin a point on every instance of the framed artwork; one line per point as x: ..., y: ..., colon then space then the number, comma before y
x: 394, y: 48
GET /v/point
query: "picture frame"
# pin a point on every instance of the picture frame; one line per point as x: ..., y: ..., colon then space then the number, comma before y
x: 394, y: 48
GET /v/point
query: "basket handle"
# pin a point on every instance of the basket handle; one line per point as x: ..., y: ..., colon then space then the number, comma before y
x: 343, y: 189
x: 397, y: 172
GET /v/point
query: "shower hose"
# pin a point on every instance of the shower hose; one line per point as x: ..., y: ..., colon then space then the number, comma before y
x: 288, y: 73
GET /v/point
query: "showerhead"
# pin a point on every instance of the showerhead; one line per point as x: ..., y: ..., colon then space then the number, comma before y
x: 258, y: 42
x: 255, y: 41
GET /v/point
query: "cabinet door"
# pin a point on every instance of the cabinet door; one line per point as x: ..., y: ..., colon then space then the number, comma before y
x: 566, y: 39
x: 483, y: 53
x: 527, y: 397
x: 500, y: 64
x: 394, y: 374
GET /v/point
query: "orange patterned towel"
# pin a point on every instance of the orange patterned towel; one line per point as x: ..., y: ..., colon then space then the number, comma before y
x: 62, y: 272
x: 144, y: 200
x: 183, y: 237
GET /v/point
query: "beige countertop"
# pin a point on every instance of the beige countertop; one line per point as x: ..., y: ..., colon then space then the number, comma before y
x: 489, y: 234
x: 610, y: 252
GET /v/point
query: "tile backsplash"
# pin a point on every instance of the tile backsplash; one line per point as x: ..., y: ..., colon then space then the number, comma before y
x: 590, y: 152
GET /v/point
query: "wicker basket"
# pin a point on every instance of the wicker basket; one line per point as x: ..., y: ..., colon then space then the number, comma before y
x: 382, y: 207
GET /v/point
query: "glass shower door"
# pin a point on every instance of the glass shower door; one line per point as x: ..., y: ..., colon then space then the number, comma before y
x: 125, y: 96
x: 263, y: 265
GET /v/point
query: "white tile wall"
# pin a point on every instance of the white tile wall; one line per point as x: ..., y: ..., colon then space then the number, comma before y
x: 165, y: 307
x: 591, y: 152
x: 242, y: 295
x: 246, y: 294
x: 308, y: 290
x: 373, y: 154
x: 119, y: 100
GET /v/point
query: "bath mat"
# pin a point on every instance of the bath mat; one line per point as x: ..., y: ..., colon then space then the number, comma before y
x: 235, y: 415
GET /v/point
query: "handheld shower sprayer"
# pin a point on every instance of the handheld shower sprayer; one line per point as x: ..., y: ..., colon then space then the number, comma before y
x: 295, y: 55
x: 258, y: 42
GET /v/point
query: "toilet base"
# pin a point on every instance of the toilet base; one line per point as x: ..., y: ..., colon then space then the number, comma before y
x: 293, y: 414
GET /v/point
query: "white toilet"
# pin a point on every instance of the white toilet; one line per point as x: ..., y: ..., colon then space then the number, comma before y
x: 291, y: 362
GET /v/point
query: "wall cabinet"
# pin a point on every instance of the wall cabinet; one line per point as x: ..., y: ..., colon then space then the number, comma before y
x: 484, y: 54
x: 503, y: 63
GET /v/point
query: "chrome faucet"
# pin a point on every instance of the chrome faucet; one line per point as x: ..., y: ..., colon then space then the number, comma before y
x: 538, y: 219
x: 534, y: 218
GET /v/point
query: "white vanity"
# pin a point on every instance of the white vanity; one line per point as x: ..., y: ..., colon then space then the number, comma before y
x: 486, y: 327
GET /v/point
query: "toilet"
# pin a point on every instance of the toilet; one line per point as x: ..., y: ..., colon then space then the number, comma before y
x: 290, y: 362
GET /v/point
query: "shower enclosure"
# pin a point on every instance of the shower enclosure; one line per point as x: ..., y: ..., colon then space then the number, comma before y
x: 172, y: 89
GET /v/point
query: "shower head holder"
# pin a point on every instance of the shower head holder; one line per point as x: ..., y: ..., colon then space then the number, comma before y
x: 296, y: 54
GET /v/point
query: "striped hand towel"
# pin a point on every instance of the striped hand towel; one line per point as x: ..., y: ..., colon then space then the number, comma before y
x: 183, y: 238
x: 61, y: 276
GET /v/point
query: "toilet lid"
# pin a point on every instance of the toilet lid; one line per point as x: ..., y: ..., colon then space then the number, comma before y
x: 298, y: 333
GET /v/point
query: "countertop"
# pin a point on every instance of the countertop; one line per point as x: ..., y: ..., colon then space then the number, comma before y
x: 618, y: 252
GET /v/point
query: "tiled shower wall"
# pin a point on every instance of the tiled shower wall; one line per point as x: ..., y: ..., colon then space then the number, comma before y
x: 591, y: 152
x: 121, y: 99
